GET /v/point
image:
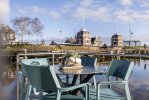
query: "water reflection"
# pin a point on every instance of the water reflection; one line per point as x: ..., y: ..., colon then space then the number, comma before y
x: 138, y: 81
x: 8, y: 83
x: 145, y: 65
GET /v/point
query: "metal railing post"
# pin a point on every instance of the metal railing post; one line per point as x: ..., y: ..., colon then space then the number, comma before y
x: 17, y: 76
x: 25, y: 51
x: 53, y: 59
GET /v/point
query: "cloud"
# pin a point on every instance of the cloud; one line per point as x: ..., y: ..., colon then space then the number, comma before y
x: 54, y: 14
x: 38, y: 10
x: 101, y: 13
x: 106, y: 11
x: 4, y: 10
x: 96, y: 10
x: 123, y: 14
x: 103, y: 10
x: 22, y: 11
x: 144, y: 3
x: 90, y: 9
x: 33, y: 9
x: 86, y: 3
x: 127, y: 2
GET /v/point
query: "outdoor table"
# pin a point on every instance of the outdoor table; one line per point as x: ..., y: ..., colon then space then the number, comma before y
x: 85, y: 74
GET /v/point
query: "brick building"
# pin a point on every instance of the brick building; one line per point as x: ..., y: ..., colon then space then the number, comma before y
x: 83, y: 37
x: 96, y: 41
x: 7, y: 35
x: 117, y: 40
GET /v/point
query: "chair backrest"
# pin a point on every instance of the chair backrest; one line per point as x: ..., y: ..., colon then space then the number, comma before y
x: 120, y: 69
x: 36, y: 61
x: 88, y: 61
x: 40, y: 74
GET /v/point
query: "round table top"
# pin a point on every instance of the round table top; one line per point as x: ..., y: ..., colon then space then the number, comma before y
x: 83, y: 70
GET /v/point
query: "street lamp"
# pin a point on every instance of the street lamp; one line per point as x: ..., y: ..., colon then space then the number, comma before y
x: 60, y: 37
x: 130, y: 37
x: 130, y: 32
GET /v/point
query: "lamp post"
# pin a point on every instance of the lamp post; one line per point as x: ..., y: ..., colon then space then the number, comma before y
x: 60, y: 37
x: 130, y: 32
x: 130, y: 38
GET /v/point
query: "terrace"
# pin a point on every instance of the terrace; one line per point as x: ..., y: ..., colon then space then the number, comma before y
x: 138, y: 81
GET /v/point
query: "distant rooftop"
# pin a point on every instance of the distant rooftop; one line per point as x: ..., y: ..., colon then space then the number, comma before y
x: 116, y: 34
x: 83, y: 29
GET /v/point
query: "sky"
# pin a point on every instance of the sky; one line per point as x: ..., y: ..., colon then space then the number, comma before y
x: 101, y: 17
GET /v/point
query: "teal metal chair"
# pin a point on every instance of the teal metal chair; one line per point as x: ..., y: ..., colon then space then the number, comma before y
x: 119, y: 69
x: 44, y: 79
x: 89, y: 62
x: 27, y: 86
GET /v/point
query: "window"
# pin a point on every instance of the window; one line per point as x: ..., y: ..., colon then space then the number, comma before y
x: 8, y: 36
x: 11, y: 36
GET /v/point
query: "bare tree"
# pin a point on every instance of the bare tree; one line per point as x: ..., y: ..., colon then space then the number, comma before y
x: 37, y: 27
x: 22, y: 26
x: 27, y: 26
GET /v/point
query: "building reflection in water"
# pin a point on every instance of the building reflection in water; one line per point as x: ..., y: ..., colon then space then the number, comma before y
x: 145, y: 65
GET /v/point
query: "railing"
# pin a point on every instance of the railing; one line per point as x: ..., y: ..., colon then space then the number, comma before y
x: 53, y: 57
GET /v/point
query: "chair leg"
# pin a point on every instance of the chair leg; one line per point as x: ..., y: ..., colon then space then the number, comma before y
x: 22, y: 88
x: 67, y: 80
x: 95, y: 81
x: 87, y: 96
x: 108, y: 79
x: 28, y: 92
x: 127, y: 92
x: 58, y: 95
x: 98, y: 92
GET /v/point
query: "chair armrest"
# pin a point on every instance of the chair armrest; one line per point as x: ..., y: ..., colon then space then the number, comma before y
x: 75, y: 87
x: 101, y: 73
x: 112, y: 82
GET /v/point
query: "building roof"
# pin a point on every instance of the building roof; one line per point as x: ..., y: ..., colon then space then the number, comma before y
x: 93, y: 39
x: 6, y: 28
x: 116, y: 35
x: 83, y: 29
